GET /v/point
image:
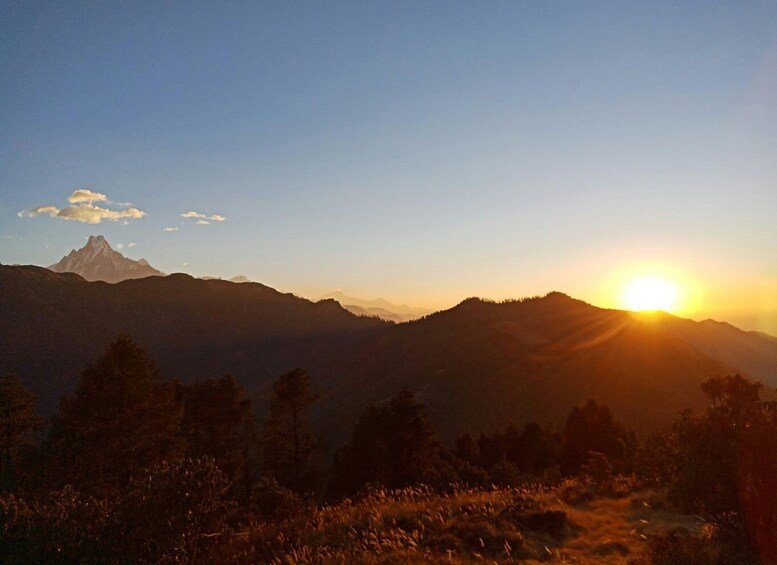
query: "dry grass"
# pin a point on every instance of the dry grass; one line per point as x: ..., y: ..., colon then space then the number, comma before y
x: 529, y: 525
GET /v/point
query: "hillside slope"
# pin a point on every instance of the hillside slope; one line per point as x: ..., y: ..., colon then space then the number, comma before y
x: 53, y: 324
x: 482, y: 365
x: 478, y: 366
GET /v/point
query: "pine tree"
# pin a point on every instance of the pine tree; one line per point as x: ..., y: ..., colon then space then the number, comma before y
x: 392, y: 445
x: 121, y: 420
x: 286, y: 443
x: 590, y: 428
x: 218, y: 423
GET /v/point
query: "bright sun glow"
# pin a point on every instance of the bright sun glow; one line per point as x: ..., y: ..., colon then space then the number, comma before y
x: 651, y: 293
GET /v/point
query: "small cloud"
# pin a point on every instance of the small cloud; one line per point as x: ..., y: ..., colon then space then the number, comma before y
x: 119, y: 246
x: 131, y: 245
x: 49, y: 210
x: 86, y: 195
x: 185, y: 263
x: 204, y: 219
x: 170, y: 229
x: 191, y: 214
x: 83, y: 210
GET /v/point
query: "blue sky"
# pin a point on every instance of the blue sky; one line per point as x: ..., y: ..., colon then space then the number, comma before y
x: 419, y: 151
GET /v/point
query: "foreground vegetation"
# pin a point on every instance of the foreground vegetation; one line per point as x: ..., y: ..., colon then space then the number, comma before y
x: 135, y: 469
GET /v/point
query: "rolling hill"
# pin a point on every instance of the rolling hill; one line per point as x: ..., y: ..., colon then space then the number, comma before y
x: 482, y: 365
x: 477, y: 366
x: 53, y: 324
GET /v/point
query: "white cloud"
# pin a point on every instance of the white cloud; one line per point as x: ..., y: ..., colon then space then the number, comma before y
x: 91, y: 214
x: 131, y: 245
x: 192, y: 214
x: 204, y: 219
x: 83, y: 210
x: 86, y: 195
x: 119, y: 246
x: 50, y: 210
x: 170, y: 229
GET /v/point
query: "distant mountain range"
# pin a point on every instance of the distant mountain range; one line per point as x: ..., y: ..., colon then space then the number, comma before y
x: 477, y: 366
x: 235, y: 279
x: 378, y: 307
x: 98, y: 261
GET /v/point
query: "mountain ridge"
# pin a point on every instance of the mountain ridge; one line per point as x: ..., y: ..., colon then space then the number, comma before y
x: 377, y: 307
x: 478, y: 366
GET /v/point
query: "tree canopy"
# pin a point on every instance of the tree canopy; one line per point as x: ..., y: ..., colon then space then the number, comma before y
x: 121, y: 420
x: 287, y: 444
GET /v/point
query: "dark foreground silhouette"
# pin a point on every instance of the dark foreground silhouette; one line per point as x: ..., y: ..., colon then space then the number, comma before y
x: 136, y: 469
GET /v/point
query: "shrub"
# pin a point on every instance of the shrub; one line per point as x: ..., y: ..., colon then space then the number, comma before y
x: 271, y: 501
x: 68, y: 528
x: 171, y: 507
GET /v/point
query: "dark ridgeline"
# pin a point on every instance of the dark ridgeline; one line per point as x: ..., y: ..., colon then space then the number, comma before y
x: 53, y: 324
x: 478, y: 367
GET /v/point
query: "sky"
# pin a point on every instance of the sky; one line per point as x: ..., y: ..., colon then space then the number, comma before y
x: 422, y: 152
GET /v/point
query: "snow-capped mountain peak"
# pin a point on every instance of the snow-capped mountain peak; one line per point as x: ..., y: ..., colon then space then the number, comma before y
x: 98, y: 261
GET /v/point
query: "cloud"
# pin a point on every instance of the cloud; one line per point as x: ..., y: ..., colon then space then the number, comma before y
x: 91, y: 214
x: 170, y: 229
x: 86, y: 195
x: 83, y: 210
x: 204, y: 219
x: 131, y: 245
x: 50, y: 210
x: 119, y: 246
x: 191, y: 214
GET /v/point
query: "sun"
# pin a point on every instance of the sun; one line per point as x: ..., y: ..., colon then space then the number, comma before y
x: 650, y: 293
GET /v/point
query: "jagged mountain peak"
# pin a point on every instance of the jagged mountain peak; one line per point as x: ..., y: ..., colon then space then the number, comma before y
x: 98, y: 261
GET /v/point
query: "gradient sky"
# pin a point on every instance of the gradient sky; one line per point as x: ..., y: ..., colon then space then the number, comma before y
x: 422, y: 151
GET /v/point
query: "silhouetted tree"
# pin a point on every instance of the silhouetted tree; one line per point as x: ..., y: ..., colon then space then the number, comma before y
x: 529, y: 451
x: 536, y: 449
x: 286, y: 443
x: 120, y: 420
x: 725, y: 460
x: 590, y: 428
x: 18, y: 424
x: 392, y: 445
x: 218, y: 422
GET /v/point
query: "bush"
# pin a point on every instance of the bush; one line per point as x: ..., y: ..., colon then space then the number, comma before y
x: 169, y: 510
x: 68, y: 528
x: 271, y: 501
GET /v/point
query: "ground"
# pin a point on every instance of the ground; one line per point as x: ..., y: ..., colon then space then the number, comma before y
x: 572, y: 523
